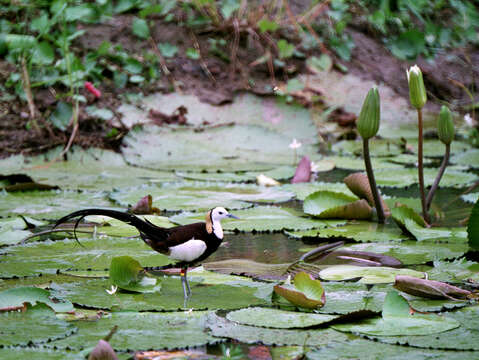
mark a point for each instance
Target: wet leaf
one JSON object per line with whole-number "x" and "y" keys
{"x": 397, "y": 319}
{"x": 468, "y": 158}
{"x": 473, "y": 227}
{"x": 306, "y": 292}
{"x": 471, "y": 197}
{"x": 16, "y": 298}
{"x": 327, "y": 205}
{"x": 455, "y": 271}
{"x": 251, "y": 334}
{"x": 368, "y": 275}
{"x": 303, "y": 190}
{"x": 142, "y": 331}
{"x": 358, "y": 183}
{"x": 128, "y": 274}
{"x": 278, "y": 319}
{"x": 35, "y": 353}
{"x": 37, "y": 325}
{"x": 384, "y": 147}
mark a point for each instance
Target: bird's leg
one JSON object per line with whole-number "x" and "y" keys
{"x": 185, "y": 283}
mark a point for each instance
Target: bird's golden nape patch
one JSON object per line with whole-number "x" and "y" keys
{"x": 209, "y": 224}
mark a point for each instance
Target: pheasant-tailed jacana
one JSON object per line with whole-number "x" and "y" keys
{"x": 189, "y": 244}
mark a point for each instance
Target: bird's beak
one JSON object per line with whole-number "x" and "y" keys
{"x": 232, "y": 216}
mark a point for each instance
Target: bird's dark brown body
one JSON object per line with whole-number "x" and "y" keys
{"x": 188, "y": 244}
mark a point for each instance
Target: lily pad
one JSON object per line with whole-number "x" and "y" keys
{"x": 362, "y": 231}
{"x": 455, "y": 271}
{"x": 202, "y": 197}
{"x": 466, "y": 337}
{"x": 36, "y": 325}
{"x": 222, "y": 327}
{"x": 17, "y": 297}
{"x": 278, "y": 319}
{"x": 225, "y": 148}
{"x": 47, "y": 257}
{"x": 328, "y": 204}
{"x": 35, "y": 353}
{"x": 408, "y": 176}
{"x": 471, "y": 197}
{"x": 142, "y": 331}
{"x": 92, "y": 169}
{"x": 303, "y": 190}
{"x": 378, "y": 148}
{"x": 468, "y": 158}
{"x": 263, "y": 218}
{"x": 48, "y": 204}
{"x": 12, "y": 230}
{"x": 357, "y": 163}
{"x": 306, "y": 292}
{"x": 435, "y": 148}
{"x": 128, "y": 274}
{"x": 91, "y": 293}
{"x": 368, "y": 275}
{"x": 397, "y": 320}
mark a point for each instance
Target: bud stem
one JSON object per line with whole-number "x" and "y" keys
{"x": 372, "y": 182}
{"x": 420, "y": 168}
{"x": 434, "y": 186}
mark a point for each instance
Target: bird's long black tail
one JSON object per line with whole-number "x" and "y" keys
{"x": 144, "y": 227}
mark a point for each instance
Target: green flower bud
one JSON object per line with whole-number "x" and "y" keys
{"x": 445, "y": 126}
{"x": 417, "y": 91}
{"x": 368, "y": 120}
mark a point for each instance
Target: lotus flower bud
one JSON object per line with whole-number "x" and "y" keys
{"x": 417, "y": 91}
{"x": 445, "y": 126}
{"x": 368, "y": 120}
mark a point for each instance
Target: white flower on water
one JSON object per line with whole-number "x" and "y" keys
{"x": 314, "y": 167}
{"x": 295, "y": 144}
{"x": 189, "y": 311}
{"x": 113, "y": 290}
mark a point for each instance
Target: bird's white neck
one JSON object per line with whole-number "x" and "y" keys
{"x": 217, "y": 229}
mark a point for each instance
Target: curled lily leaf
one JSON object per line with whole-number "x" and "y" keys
{"x": 306, "y": 292}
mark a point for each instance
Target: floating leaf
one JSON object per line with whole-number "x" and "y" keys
{"x": 471, "y": 197}
{"x": 469, "y": 158}
{"x": 16, "y": 298}
{"x": 263, "y": 218}
{"x": 279, "y": 319}
{"x": 306, "y": 292}
{"x": 128, "y": 274}
{"x": 34, "y": 353}
{"x": 327, "y": 204}
{"x": 303, "y": 190}
{"x": 385, "y": 147}
{"x": 36, "y": 325}
{"x": 368, "y": 275}
{"x": 455, "y": 271}
{"x": 201, "y": 197}
{"x": 357, "y": 163}
{"x": 222, "y": 327}
{"x": 397, "y": 319}
{"x": 142, "y": 331}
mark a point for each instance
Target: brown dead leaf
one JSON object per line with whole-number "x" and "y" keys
{"x": 430, "y": 289}
{"x": 358, "y": 183}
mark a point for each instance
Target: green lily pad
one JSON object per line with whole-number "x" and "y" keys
{"x": 279, "y": 173}
{"x": 92, "y": 169}
{"x": 278, "y": 319}
{"x": 92, "y": 293}
{"x": 16, "y": 297}
{"x": 222, "y": 327}
{"x": 47, "y": 257}
{"x": 408, "y": 176}
{"x": 35, "y": 353}
{"x": 468, "y": 158}
{"x": 413, "y": 252}
{"x": 48, "y": 204}
{"x": 128, "y": 274}
{"x": 142, "y": 331}
{"x": 407, "y": 159}
{"x": 362, "y": 231}
{"x": 435, "y": 148}
{"x": 306, "y": 292}
{"x": 303, "y": 190}
{"x": 358, "y": 348}
{"x": 12, "y": 231}
{"x": 328, "y": 204}
{"x": 262, "y": 218}
{"x": 357, "y": 163}
{"x": 225, "y": 148}
{"x": 368, "y": 275}
{"x": 37, "y": 325}
{"x": 202, "y": 197}
{"x": 454, "y": 271}
{"x": 378, "y": 147}
{"x": 466, "y": 337}
{"x": 397, "y": 320}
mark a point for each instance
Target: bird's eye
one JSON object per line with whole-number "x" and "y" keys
{"x": 221, "y": 213}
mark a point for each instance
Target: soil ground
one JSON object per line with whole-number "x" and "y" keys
{"x": 215, "y": 81}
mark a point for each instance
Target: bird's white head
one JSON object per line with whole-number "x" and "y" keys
{"x": 219, "y": 213}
